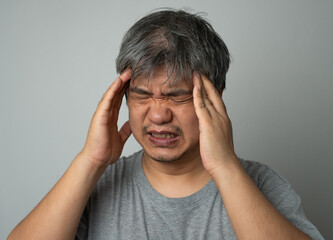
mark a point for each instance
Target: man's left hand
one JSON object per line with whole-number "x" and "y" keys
{"x": 216, "y": 141}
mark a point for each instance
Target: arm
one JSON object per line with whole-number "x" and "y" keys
{"x": 58, "y": 214}
{"x": 251, "y": 214}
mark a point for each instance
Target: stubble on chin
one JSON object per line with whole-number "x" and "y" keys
{"x": 164, "y": 158}
{"x": 161, "y": 158}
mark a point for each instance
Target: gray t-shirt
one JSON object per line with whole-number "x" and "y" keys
{"x": 124, "y": 205}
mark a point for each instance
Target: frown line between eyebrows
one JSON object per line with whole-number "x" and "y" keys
{"x": 171, "y": 93}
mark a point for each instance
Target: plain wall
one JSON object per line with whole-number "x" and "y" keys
{"x": 58, "y": 57}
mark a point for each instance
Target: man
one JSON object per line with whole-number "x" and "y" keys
{"x": 187, "y": 182}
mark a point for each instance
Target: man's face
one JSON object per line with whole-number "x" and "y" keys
{"x": 162, "y": 117}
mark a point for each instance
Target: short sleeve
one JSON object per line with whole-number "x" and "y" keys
{"x": 282, "y": 196}
{"x": 82, "y": 229}
{"x": 288, "y": 203}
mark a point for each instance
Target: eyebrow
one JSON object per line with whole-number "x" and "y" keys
{"x": 172, "y": 93}
{"x": 178, "y": 92}
{"x": 140, "y": 91}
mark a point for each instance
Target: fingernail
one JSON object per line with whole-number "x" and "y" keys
{"x": 198, "y": 86}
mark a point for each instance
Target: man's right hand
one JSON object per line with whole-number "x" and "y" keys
{"x": 104, "y": 142}
{"x": 58, "y": 214}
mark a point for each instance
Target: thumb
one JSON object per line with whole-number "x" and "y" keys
{"x": 125, "y": 132}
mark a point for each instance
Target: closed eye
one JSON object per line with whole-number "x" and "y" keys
{"x": 138, "y": 96}
{"x": 178, "y": 96}
{"x": 181, "y": 99}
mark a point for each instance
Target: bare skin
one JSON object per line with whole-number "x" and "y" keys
{"x": 251, "y": 214}
{"x": 173, "y": 168}
{"x": 58, "y": 214}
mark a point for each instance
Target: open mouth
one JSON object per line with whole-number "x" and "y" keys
{"x": 163, "y": 138}
{"x": 163, "y": 135}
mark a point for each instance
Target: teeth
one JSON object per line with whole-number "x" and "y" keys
{"x": 163, "y": 135}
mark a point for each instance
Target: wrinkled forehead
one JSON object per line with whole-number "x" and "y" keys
{"x": 163, "y": 79}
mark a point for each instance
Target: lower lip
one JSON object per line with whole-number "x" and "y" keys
{"x": 162, "y": 142}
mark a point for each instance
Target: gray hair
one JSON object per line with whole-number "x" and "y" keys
{"x": 181, "y": 41}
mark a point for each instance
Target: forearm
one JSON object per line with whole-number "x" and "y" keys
{"x": 251, "y": 214}
{"x": 58, "y": 214}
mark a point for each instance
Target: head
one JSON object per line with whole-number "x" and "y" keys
{"x": 180, "y": 41}
{"x": 163, "y": 50}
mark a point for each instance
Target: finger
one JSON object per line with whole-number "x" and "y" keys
{"x": 114, "y": 91}
{"x": 205, "y": 97}
{"x": 125, "y": 83}
{"x": 213, "y": 95}
{"x": 122, "y": 93}
{"x": 125, "y": 132}
{"x": 198, "y": 99}
{"x": 117, "y": 91}
{"x": 116, "y": 104}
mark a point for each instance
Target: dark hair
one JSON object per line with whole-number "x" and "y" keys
{"x": 181, "y": 41}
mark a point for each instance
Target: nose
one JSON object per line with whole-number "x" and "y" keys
{"x": 159, "y": 112}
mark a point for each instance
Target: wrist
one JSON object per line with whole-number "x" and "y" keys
{"x": 229, "y": 166}
{"x": 89, "y": 167}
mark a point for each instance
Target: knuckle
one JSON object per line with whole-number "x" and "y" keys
{"x": 209, "y": 102}
{"x": 202, "y": 105}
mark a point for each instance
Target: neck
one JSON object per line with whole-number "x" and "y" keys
{"x": 176, "y": 179}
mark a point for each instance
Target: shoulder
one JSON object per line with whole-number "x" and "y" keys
{"x": 264, "y": 176}
{"x": 275, "y": 188}
{"x": 120, "y": 171}
{"x": 125, "y": 162}
{"x": 281, "y": 194}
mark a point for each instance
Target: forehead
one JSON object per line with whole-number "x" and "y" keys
{"x": 162, "y": 80}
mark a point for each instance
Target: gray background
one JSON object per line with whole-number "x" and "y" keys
{"x": 57, "y": 59}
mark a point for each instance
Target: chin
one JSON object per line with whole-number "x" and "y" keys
{"x": 161, "y": 157}
{"x": 165, "y": 159}
{"x": 165, "y": 156}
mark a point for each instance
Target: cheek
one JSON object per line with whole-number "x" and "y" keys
{"x": 136, "y": 116}
{"x": 131, "y": 117}
{"x": 189, "y": 121}
{"x": 189, "y": 114}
